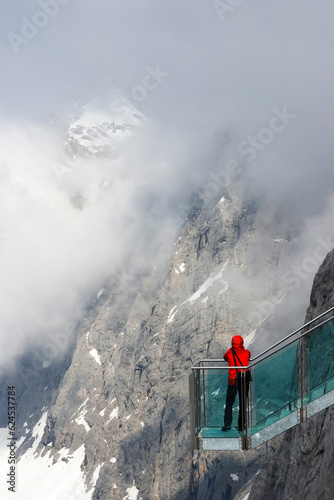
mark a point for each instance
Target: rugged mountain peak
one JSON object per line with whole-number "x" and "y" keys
{"x": 105, "y": 122}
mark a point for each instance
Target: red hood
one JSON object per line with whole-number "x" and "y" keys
{"x": 237, "y": 341}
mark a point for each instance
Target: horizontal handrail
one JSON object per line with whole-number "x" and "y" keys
{"x": 209, "y": 360}
{"x": 239, "y": 367}
{"x": 316, "y": 326}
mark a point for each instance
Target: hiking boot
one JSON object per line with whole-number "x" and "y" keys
{"x": 226, "y": 428}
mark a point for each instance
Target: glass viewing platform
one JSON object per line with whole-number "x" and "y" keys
{"x": 291, "y": 381}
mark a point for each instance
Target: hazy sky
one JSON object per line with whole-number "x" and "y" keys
{"x": 258, "y": 72}
{"x": 221, "y": 63}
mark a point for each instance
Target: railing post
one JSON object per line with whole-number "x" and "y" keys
{"x": 192, "y": 411}
{"x": 202, "y": 398}
{"x": 243, "y": 411}
{"x": 302, "y": 378}
{"x": 248, "y": 413}
{"x": 199, "y": 422}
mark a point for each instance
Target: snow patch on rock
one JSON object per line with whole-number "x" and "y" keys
{"x": 114, "y": 414}
{"x": 45, "y": 477}
{"x": 207, "y": 284}
{"x": 95, "y": 355}
{"x": 171, "y": 315}
{"x": 132, "y": 493}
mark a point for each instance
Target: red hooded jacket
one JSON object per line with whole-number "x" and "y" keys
{"x": 241, "y": 352}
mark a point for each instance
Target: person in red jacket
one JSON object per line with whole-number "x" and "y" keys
{"x": 237, "y": 355}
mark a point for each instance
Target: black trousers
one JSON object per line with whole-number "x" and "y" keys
{"x": 230, "y": 398}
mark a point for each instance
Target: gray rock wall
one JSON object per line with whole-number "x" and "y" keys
{"x": 302, "y": 467}
{"x": 125, "y": 395}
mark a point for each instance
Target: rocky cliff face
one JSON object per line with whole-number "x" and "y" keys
{"x": 122, "y": 396}
{"x": 302, "y": 467}
{"x": 129, "y": 373}
{"x": 322, "y": 295}
{"x": 125, "y": 394}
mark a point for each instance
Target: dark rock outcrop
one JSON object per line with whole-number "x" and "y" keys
{"x": 302, "y": 467}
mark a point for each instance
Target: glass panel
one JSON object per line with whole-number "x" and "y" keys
{"x": 275, "y": 388}
{"x": 196, "y": 401}
{"x": 191, "y": 380}
{"x": 320, "y": 361}
{"x": 214, "y": 391}
{"x": 198, "y": 375}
